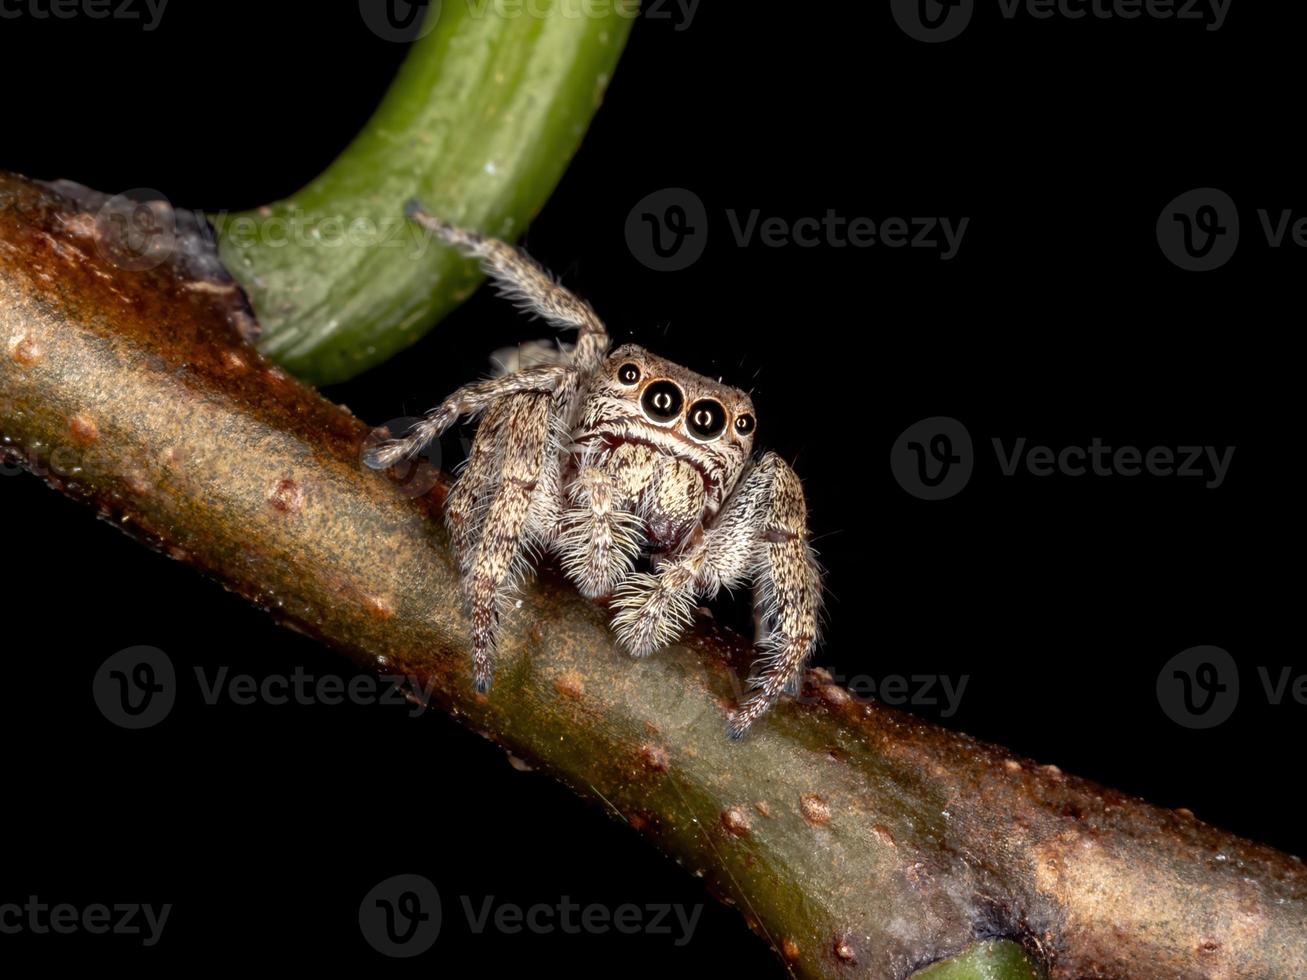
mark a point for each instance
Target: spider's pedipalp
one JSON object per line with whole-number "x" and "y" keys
{"x": 760, "y": 533}
{"x": 599, "y": 540}
{"x": 653, "y": 610}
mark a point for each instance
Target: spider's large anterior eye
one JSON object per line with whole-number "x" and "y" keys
{"x": 744, "y": 424}
{"x": 707, "y": 419}
{"x": 628, "y": 374}
{"x": 662, "y": 401}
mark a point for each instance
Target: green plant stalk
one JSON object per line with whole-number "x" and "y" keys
{"x": 993, "y": 959}
{"x": 479, "y": 124}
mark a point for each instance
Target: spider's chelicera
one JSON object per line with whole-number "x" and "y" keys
{"x": 603, "y": 457}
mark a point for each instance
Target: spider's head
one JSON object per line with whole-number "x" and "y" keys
{"x": 684, "y": 414}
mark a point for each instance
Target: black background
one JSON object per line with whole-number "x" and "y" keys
{"x": 1059, "y": 320}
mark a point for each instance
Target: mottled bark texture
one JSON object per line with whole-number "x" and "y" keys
{"x": 857, "y": 840}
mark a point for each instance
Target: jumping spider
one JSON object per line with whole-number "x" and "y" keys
{"x": 599, "y": 456}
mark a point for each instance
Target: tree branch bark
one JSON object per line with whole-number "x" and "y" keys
{"x": 857, "y": 840}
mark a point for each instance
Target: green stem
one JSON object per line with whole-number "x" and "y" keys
{"x": 993, "y": 959}
{"x": 480, "y": 123}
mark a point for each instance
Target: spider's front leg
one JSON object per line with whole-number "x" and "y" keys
{"x": 509, "y": 495}
{"x": 471, "y": 399}
{"x": 521, "y": 278}
{"x": 524, "y": 280}
{"x": 761, "y": 533}
{"x": 506, "y": 497}
{"x": 514, "y": 509}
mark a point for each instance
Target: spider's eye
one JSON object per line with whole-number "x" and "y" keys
{"x": 707, "y": 419}
{"x": 744, "y": 424}
{"x": 662, "y": 401}
{"x": 628, "y": 374}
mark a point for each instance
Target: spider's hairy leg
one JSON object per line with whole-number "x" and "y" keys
{"x": 465, "y": 510}
{"x": 599, "y": 541}
{"x": 468, "y": 400}
{"x": 760, "y": 533}
{"x": 523, "y": 279}
{"x": 787, "y": 583}
{"x": 499, "y": 558}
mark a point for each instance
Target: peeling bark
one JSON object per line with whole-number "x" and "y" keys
{"x": 856, "y": 839}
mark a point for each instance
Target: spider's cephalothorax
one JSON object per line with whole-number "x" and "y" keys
{"x": 602, "y": 457}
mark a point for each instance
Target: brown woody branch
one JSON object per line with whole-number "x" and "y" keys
{"x": 858, "y": 840}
